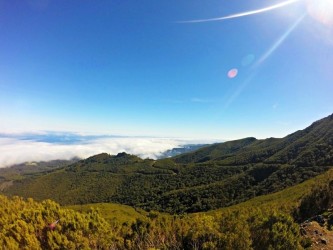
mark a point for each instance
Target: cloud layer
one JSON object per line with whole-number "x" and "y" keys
{"x": 15, "y": 149}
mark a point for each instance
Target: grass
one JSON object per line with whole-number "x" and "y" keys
{"x": 112, "y": 211}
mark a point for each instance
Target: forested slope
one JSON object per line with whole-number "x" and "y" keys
{"x": 308, "y": 147}
{"x": 266, "y": 222}
{"x": 212, "y": 177}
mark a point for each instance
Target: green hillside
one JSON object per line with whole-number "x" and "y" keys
{"x": 308, "y": 147}
{"x": 213, "y": 177}
{"x": 28, "y": 169}
{"x": 291, "y": 199}
{"x": 26, "y": 224}
{"x": 264, "y": 222}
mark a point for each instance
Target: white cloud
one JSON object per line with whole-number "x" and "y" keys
{"x": 16, "y": 150}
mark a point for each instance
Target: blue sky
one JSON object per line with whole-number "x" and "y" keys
{"x": 134, "y": 68}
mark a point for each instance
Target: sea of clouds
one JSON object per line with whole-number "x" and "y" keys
{"x": 20, "y": 148}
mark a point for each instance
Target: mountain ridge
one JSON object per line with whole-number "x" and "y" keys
{"x": 271, "y": 150}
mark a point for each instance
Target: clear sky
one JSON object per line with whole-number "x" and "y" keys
{"x": 151, "y": 68}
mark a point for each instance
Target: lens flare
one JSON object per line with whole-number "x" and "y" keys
{"x": 232, "y": 73}
{"x": 246, "y": 13}
{"x": 278, "y": 43}
{"x": 321, "y": 11}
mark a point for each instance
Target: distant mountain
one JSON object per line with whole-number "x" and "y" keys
{"x": 211, "y": 177}
{"x": 24, "y": 170}
{"x": 181, "y": 150}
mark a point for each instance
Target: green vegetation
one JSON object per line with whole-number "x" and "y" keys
{"x": 213, "y": 177}
{"x": 292, "y": 200}
{"x": 160, "y": 185}
{"x": 261, "y": 223}
{"x": 265, "y": 222}
{"x": 31, "y": 225}
{"x": 113, "y": 213}
{"x": 28, "y": 169}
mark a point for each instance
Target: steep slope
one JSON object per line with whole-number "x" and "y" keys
{"x": 308, "y": 147}
{"x": 216, "y": 176}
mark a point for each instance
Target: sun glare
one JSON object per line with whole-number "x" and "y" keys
{"x": 321, "y": 10}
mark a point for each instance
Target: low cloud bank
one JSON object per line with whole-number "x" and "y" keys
{"x": 18, "y": 149}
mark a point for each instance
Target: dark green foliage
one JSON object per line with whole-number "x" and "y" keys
{"x": 319, "y": 200}
{"x": 275, "y": 232}
{"x": 161, "y": 185}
